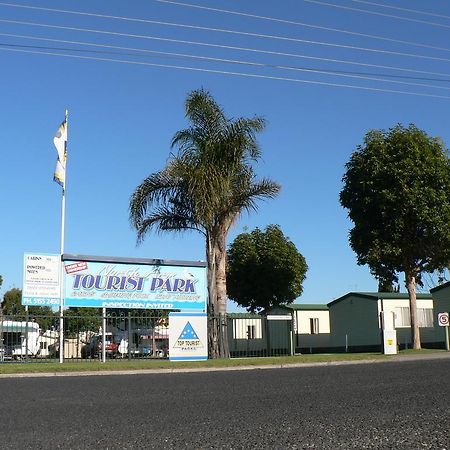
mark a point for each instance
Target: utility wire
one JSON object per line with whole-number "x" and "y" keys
{"x": 303, "y": 24}
{"x": 252, "y": 50}
{"x": 224, "y": 72}
{"x": 374, "y": 13}
{"x": 415, "y": 11}
{"x": 341, "y": 73}
{"x": 266, "y": 36}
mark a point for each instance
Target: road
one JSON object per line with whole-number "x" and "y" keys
{"x": 394, "y": 405}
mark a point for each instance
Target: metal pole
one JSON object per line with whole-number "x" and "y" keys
{"x": 2, "y": 348}
{"x": 447, "y": 347}
{"x": 104, "y": 335}
{"x": 61, "y": 280}
{"x": 129, "y": 335}
{"x": 26, "y": 332}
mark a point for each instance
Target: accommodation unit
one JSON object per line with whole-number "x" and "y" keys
{"x": 309, "y": 326}
{"x": 284, "y": 330}
{"x": 356, "y": 324}
{"x": 441, "y": 298}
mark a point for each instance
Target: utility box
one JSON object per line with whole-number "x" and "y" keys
{"x": 388, "y": 333}
{"x": 389, "y": 342}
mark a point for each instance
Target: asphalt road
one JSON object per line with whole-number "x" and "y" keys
{"x": 395, "y": 405}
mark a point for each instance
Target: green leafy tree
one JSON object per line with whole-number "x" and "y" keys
{"x": 12, "y": 306}
{"x": 205, "y": 187}
{"x": 12, "y": 302}
{"x": 81, "y": 319}
{"x": 265, "y": 269}
{"x": 397, "y": 192}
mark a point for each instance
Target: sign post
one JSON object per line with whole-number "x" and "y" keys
{"x": 443, "y": 321}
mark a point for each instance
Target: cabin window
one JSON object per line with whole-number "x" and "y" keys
{"x": 403, "y": 319}
{"x": 314, "y": 325}
{"x": 251, "y": 332}
{"x": 43, "y": 345}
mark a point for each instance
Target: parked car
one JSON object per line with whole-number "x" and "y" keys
{"x": 93, "y": 349}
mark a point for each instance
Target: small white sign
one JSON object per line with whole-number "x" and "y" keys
{"x": 188, "y": 336}
{"x": 279, "y": 317}
{"x": 41, "y": 274}
{"x": 443, "y": 319}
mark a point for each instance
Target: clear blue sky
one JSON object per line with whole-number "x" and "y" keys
{"x": 123, "y": 116}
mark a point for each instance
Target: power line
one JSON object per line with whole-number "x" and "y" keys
{"x": 266, "y": 36}
{"x": 251, "y": 50}
{"x": 342, "y": 73}
{"x": 241, "y": 74}
{"x": 415, "y": 11}
{"x": 303, "y": 24}
{"x": 374, "y": 13}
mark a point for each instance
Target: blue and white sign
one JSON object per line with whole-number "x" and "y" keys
{"x": 188, "y": 337}
{"x": 128, "y": 285}
{"x": 41, "y": 273}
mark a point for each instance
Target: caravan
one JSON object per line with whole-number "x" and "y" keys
{"x": 19, "y": 339}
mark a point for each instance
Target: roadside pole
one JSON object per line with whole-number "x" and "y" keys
{"x": 104, "y": 335}
{"x": 443, "y": 321}
{"x": 447, "y": 347}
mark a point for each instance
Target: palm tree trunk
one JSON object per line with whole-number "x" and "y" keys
{"x": 217, "y": 301}
{"x": 221, "y": 293}
{"x": 410, "y": 281}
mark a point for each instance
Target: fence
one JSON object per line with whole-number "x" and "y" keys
{"x": 254, "y": 335}
{"x": 128, "y": 335}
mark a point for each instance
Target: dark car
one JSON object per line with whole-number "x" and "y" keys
{"x": 93, "y": 349}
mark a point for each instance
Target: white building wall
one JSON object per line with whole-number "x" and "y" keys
{"x": 241, "y": 328}
{"x": 304, "y": 317}
{"x": 391, "y": 306}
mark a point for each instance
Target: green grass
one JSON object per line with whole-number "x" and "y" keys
{"x": 155, "y": 364}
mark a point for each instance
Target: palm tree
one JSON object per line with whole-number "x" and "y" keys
{"x": 205, "y": 187}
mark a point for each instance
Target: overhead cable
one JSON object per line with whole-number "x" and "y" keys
{"x": 374, "y": 13}
{"x": 266, "y": 36}
{"x": 341, "y": 73}
{"x": 246, "y": 49}
{"x": 303, "y": 24}
{"x": 224, "y": 72}
{"x": 398, "y": 8}
{"x": 274, "y": 19}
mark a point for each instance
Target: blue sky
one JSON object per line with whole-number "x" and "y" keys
{"x": 122, "y": 116}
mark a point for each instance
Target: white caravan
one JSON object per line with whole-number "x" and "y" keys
{"x": 18, "y": 339}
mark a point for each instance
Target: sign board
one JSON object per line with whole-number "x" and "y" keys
{"x": 443, "y": 319}
{"x": 130, "y": 284}
{"x": 41, "y": 273}
{"x": 188, "y": 337}
{"x": 279, "y": 317}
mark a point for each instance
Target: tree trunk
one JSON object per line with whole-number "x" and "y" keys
{"x": 221, "y": 293}
{"x": 213, "y": 329}
{"x": 217, "y": 301}
{"x": 410, "y": 281}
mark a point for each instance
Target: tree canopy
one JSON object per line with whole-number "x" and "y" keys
{"x": 397, "y": 192}
{"x": 265, "y": 269}
{"x": 12, "y": 306}
{"x": 205, "y": 187}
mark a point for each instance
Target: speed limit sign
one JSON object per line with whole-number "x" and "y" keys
{"x": 443, "y": 319}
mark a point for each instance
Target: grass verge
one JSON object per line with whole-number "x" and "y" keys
{"x": 157, "y": 364}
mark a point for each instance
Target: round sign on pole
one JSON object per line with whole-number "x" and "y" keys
{"x": 443, "y": 319}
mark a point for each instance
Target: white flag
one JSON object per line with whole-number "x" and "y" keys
{"x": 60, "y": 141}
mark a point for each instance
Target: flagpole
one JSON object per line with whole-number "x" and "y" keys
{"x": 61, "y": 294}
